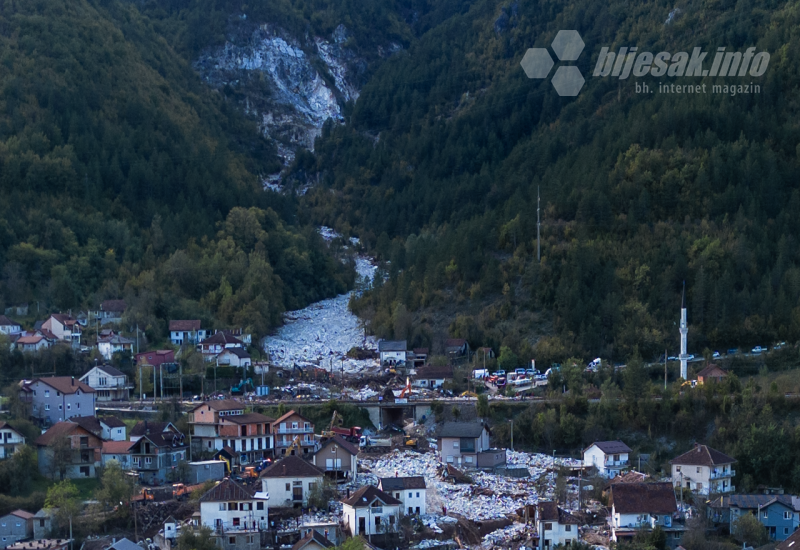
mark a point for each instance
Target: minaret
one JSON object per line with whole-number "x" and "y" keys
{"x": 684, "y": 333}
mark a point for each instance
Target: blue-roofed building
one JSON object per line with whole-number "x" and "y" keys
{"x": 780, "y": 514}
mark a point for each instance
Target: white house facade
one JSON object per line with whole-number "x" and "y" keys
{"x": 609, "y": 457}
{"x": 370, "y": 511}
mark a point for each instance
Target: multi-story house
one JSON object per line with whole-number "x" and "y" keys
{"x": 107, "y": 428}
{"x": 9, "y": 327}
{"x": 114, "y": 343}
{"x": 466, "y": 444}
{"x": 780, "y": 514}
{"x": 609, "y": 457}
{"x": 704, "y": 470}
{"x": 186, "y": 332}
{"x": 109, "y": 383}
{"x": 155, "y": 455}
{"x": 290, "y": 427}
{"x": 65, "y": 328}
{"x": 555, "y": 526}
{"x": 235, "y": 514}
{"x": 10, "y": 440}
{"x": 290, "y": 480}
{"x": 637, "y": 506}
{"x": 31, "y": 343}
{"x": 15, "y": 526}
{"x": 78, "y": 457}
{"x": 214, "y": 345}
{"x": 370, "y": 511}
{"x": 339, "y": 458}
{"x": 223, "y": 423}
{"x": 117, "y": 450}
{"x": 57, "y": 398}
{"x": 392, "y": 352}
{"x": 111, "y": 311}
{"x": 410, "y": 491}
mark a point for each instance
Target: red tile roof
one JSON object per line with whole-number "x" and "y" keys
{"x": 366, "y": 495}
{"x": 643, "y": 498}
{"x": 702, "y": 455}
{"x": 292, "y": 466}
{"x": 59, "y": 430}
{"x": 65, "y": 384}
{"x": 227, "y": 490}
{"x": 184, "y": 325}
{"x": 116, "y": 447}
{"x": 22, "y": 514}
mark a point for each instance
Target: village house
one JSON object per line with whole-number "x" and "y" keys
{"x": 410, "y": 491}
{"x": 109, "y": 383}
{"x": 147, "y": 427}
{"x": 186, "y": 332}
{"x": 456, "y": 348}
{"x": 418, "y": 357}
{"x": 156, "y": 455}
{"x": 637, "y": 506}
{"x": 79, "y": 457}
{"x": 313, "y": 541}
{"x": 42, "y": 523}
{"x": 57, "y": 398}
{"x": 711, "y": 372}
{"x": 392, "y": 352}
{"x": 433, "y": 377}
{"x": 235, "y": 514}
{"x": 214, "y": 345}
{"x": 31, "y": 343}
{"x": 290, "y": 480}
{"x": 791, "y": 543}
{"x": 609, "y": 457}
{"x": 111, "y": 311}
{"x": 16, "y": 526}
{"x": 41, "y": 544}
{"x": 338, "y": 458}
{"x": 9, "y": 327}
{"x": 780, "y": 514}
{"x": 330, "y": 530}
{"x": 370, "y": 511}
{"x": 234, "y": 357}
{"x": 115, "y": 343}
{"x": 238, "y": 333}
{"x": 704, "y": 469}
{"x": 155, "y": 358}
{"x": 109, "y": 428}
{"x": 10, "y": 440}
{"x": 65, "y": 328}
{"x": 555, "y": 526}
{"x": 289, "y": 427}
{"x": 466, "y": 444}
{"x": 117, "y": 450}
{"x": 223, "y": 423}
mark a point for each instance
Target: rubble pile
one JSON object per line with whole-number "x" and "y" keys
{"x": 323, "y": 333}
{"x": 505, "y": 537}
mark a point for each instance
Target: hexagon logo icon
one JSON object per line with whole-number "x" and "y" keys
{"x": 567, "y": 80}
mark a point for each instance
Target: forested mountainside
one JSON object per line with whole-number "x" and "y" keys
{"x": 123, "y": 176}
{"x": 450, "y": 142}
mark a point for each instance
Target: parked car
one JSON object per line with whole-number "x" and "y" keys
{"x": 716, "y": 355}
{"x": 501, "y": 381}
{"x": 530, "y": 373}
{"x": 501, "y": 373}
{"x": 690, "y": 357}
{"x": 733, "y": 351}
{"x": 757, "y": 349}
{"x": 672, "y": 358}
{"x": 522, "y": 381}
{"x": 779, "y": 345}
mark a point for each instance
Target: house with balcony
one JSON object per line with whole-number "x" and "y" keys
{"x": 9, "y": 327}
{"x": 290, "y": 426}
{"x": 290, "y": 480}
{"x": 147, "y": 427}
{"x": 68, "y": 450}
{"x": 109, "y": 383}
{"x": 643, "y": 506}
{"x": 609, "y": 457}
{"x": 154, "y": 456}
{"x": 780, "y": 514}
{"x": 466, "y": 444}
{"x": 704, "y": 470}
{"x": 370, "y": 511}
{"x": 10, "y": 440}
{"x": 16, "y": 526}
{"x": 235, "y": 514}
{"x": 186, "y": 332}
{"x": 57, "y": 398}
{"x": 218, "y": 424}
{"x": 65, "y": 328}
{"x": 555, "y": 526}
{"x": 411, "y": 491}
{"x": 392, "y": 352}
{"x": 338, "y": 458}
{"x": 214, "y": 345}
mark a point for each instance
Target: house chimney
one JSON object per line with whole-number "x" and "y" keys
{"x": 73, "y": 380}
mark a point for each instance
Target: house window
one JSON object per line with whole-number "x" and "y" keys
{"x": 233, "y": 506}
{"x": 417, "y": 495}
{"x": 455, "y": 444}
{"x": 259, "y": 505}
{"x": 222, "y": 506}
{"x": 148, "y": 460}
{"x": 785, "y": 530}
{"x": 295, "y": 425}
{"x": 60, "y": 407}
{"x": 77, "y": 405}
{"x": 46, "y": 394}
{"x": 764, "y": 514}
{"x": 568, "y": 528}
{"x": 69, "y": 406}
{"x": 232, "y": 540}
{"x": 548, "y": 526}
{"x": 787, "y": 515}
{"x": 236, "y": 522}
{"x": 698, "y": 469}
{"x": 677, "y": 468}
{"x": 47, "y": 407}
{"x": 391, "y": 520}
{"x": 288, "y": 487}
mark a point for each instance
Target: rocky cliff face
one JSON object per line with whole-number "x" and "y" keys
{"x": 291, "y": 85}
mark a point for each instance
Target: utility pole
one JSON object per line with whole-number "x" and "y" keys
{"x": 512, "y": 434}
{"x": 665, "y": 368}
{"x": 180, "y": 376}
{"x": 161, "y": 380}
{"x": 155, "y": 386}
{"x": 538, "y": 226}
{"x": 140, "y": 383}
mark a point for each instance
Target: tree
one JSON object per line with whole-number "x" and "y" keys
{"x": 197, "y": 539}
{"x": 483, "y": 406}
{"x": 355, "y": 543}
{"x": 62, "y": 501}
{"x": 179, "y": 473}
{"x": 16, "y": 406}
{"x": 748, "y": 529}
{"x": 508, "y": 360}
{"x": 456, "y": 412}
{"x": 15, "y": 473}
{"x": 115, "y": 486}
{"x": 62, "y": 456}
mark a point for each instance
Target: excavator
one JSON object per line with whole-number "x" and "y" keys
{"x": 407, "y": 390}
{"x": 295, "y": 447}
{"x": 334, "y": 429}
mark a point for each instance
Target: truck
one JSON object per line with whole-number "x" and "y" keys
{"x": 371, "y": 445}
